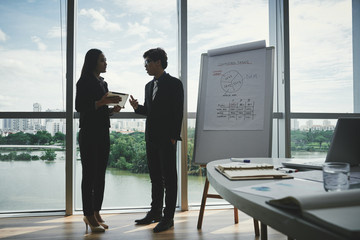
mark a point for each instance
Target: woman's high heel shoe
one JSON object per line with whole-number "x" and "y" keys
{"x": 100, "y": 220}
{"x": 93, "y": 228}
{"x": 104, "y": 225}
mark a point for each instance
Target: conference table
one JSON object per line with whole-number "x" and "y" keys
{"x": 291, "y": 224}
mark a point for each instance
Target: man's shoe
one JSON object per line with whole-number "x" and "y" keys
{"x": 164, "y": 225}
{"x": 149, "y": 218}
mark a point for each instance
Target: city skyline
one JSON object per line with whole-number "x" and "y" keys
{"x": 58, "y": 125}
{"x": 129, "y": 125}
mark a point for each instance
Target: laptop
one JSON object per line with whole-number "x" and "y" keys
{"x": 344, "y": 147}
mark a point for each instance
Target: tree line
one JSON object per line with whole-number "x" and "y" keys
{"x": 48, "y": 155}
{"x": 128, "y": 152}
{"x": 39, "y": 138}
{"x": 311, "y": 141}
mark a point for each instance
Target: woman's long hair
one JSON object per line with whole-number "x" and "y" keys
{"x": 90, "y": 62}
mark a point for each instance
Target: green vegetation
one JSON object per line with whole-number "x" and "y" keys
{"x": 128, "y": 152}
{"x": 193, "y": 169}
{"x": 40, "y": 138}
{"x": 48, "y": 155}
{"x": 311, "y": 141}
{"x": 13, "y": 156}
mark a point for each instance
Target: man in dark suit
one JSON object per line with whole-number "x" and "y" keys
{"x": 163, "y": 108}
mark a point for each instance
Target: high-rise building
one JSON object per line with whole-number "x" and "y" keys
{"x": 295, "y": 124}
{"x": 55, "y": 125}
{"x": 36, "y": 123}
{"x": 7, "y": 124}
{"x": 309, "y": 123}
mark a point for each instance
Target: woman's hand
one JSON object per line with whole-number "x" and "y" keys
{"x": 116, "y": 108}
{"x": 106, "y": 100}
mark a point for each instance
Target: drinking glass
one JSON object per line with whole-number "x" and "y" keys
{"x": 336, "y": 176}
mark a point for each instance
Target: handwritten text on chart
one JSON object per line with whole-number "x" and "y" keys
{"x": 243, "y": 109}
{"x": 234, "y": 63}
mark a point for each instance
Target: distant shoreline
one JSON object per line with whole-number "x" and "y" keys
{"x": 34, "y": 146}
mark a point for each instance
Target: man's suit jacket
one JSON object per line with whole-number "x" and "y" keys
{"x": 165, "y": 112}
{"x": 88, "y": 90}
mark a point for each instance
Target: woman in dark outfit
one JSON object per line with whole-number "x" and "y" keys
{"x": 91, "y": 101}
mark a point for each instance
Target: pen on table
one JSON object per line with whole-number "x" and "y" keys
{"x": 240, "y": 160}
{"x": 287, "y": 170}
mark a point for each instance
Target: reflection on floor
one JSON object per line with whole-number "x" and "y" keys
{"x": 217, "y": 225}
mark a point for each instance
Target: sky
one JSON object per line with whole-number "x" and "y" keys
{"x": 33, "y": 43}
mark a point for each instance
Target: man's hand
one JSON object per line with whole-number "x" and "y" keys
{"x": 133, "y": 102}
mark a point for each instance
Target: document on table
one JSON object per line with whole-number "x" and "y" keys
{"x": 339, "y": 211}
{"x": 283, "y": 188}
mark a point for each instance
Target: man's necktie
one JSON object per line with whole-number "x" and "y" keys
{"x": 155, "y": 89}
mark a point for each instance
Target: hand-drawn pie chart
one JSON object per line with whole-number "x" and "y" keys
{"x": 231, "y": 81}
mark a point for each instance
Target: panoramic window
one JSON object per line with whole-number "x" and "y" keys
{"x": 123, "y": 31}
{"x": 215, "y": 24}
{"x": 321, "y": 72}
{"x": 311, "y": 138}
{"x": 32, "y": 156}
{"x": 32, "y": 165}
{"x": 32, "y": 40}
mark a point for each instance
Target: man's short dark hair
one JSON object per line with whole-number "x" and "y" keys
{"x": 157, "y": 54}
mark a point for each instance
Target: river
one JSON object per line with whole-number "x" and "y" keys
{"x": 40, "y": 186}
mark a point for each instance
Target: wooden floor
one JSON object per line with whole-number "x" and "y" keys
{"x": 217, "y": 225}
